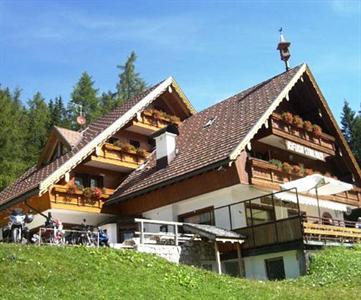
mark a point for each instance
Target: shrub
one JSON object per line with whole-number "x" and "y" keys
{"x": 287, "y": 117}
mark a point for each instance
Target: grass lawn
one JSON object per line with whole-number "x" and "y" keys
{"x": 31, "y": 272}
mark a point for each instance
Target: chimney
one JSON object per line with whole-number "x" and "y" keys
{"x": 165, "y": 145}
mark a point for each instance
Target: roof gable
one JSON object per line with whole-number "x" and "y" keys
{"x": 235, "y": 121}
{"x": 201, "y": 146}
{"x": 93, "y": 136}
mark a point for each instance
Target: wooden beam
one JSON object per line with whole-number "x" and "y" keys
{"x": 239, "y": 258}
{"x": 218, "y": 258}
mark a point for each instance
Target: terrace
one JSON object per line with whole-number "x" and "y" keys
{"x": 151, "y": 120}
{"x": 122, "y": 157}
{"x": 82, "y": 199}
{"x": 294, "y": 130}
{"x": 268, "y": 175}
{"x": 269, "y": 220}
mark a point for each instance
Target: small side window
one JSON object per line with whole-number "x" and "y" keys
{"x": 275, "y": 268}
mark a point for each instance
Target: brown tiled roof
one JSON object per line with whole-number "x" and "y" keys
{"x": 199, "y": 146}
{"x": 70, "y": 136}
{"x": 31, "y": 179}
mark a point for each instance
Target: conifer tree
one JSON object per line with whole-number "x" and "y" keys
{"x": 107, "y": 102}
{"x": 58, "y": 113}
{"x": 12, "y": 137}
{"x": 38, "y": 127}
{"x": 84, "y": 94}
{"x": 347, "y": 122}
{"x": 130, "y": 84}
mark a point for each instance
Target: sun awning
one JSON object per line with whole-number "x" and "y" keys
{"x": 325, "y": 185}
{"x": 291, "y": 197}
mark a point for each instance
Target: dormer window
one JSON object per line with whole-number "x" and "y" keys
{"x": 209, "y": 122}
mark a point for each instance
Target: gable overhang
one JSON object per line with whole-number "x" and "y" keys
{"x": 84, "y": 152}
{"x": 20, "y": 198}
{"x": 304, "y": 70}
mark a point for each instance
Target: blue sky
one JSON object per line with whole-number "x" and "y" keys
{"x": 213, "y": 48}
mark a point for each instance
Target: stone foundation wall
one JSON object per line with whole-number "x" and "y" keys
{"x": 190, "y": 253}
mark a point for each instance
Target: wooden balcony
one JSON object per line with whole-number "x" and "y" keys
{"x": 269, "y": 176}
{"x": 148, "y": 122}
{"x": 115, "y": 158}
{"x": 61, "y": 197}
{"x": 310, "y": 230}
{"x": 280, "y": 130}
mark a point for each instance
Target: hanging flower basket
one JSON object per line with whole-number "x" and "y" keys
{"x": 317, "y": 130}
{"x": 297, "y": 121}
{"x": 141, "y": 153}
{"x": 296, "y": 169}
{"x": 87, "y": 193}
{"x": 287, "y": 117}
{"x": 308, "y": 172}
{"x": 286, "y": 167}
{"x": 307, "y": 125}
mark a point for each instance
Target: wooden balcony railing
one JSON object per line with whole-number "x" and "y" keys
{"x": 62, "y": 197}
{"x": 269, "y": 176}
{"x": 150, "y": 121}
{"x": 321, "y": 229}
{"x": 324, "y": 143}
{"x": 308, "y": 229}
{"x": 117, "y": 158}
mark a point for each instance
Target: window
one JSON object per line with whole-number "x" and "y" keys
{"x": 275, "y": 268}
{"x": 87, "y": 180}
{"x": 136, "y": 144}
{"x": 201, "y": 216}
{"x": 259, "y": 214}
{"x": 231, "y": 268}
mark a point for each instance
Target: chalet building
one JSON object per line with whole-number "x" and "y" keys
{"x": 268, "y": 164}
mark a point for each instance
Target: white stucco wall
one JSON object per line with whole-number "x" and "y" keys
{"x": 216, "y": 199}
{"x": 224, "y": 197}
{"x": 255, "y": 266}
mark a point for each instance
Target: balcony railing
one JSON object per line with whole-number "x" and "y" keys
{"x": 324, "y": 142}
{"x": 330, "y": 230}
{"x": 117, "y": 158}
{"x": 61, "y": 195}
{"x": 268, "y": 175}
{"x": 311, "y": 230}
{"x": 150, "y": 121}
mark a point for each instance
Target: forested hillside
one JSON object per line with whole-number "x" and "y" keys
{"x": 25, "y": 123}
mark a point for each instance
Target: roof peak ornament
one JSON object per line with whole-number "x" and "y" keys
{"x": 283, "y": 46}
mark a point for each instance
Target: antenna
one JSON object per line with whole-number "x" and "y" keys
{"x": 283, "y": 46}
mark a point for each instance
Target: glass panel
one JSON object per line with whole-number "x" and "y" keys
{"x": 79, "y": 180}
{"x": 238, "y": 216}
{"x": 222, "y": 217}
{"x": 205, "y": 217}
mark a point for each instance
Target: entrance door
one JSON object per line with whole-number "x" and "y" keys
{"x": 275, "y": 268}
